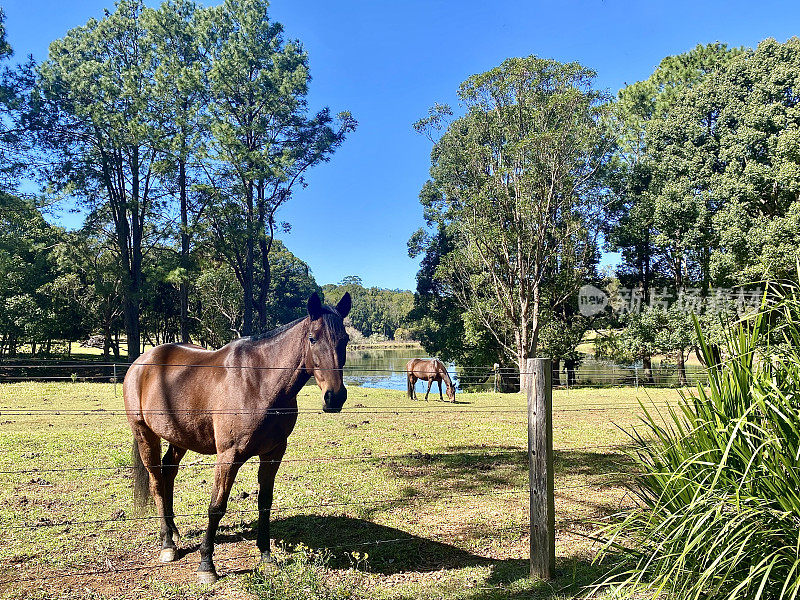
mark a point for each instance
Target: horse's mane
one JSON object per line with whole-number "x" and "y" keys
{"x": 326, "y": 310}
{"x": 268, "y": 335}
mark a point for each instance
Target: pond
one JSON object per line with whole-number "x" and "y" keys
{"x": 386, "y": 368}
{"x": 381, "y": 368}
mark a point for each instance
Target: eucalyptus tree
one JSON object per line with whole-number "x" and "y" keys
{"x": 516, "y": 182}
{"x": 442, "y": 326}
{"x": 106, "y": 134}
{"x": 219, "y": 303}
{"x": 263, "y": 140}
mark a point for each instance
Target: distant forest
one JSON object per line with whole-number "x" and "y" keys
{"x": 58, "y": 285}
{"x": 377, "y": 314}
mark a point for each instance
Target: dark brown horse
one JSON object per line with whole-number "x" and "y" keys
{"x": 236, "y": 402}
{"x": 430, "y": 370}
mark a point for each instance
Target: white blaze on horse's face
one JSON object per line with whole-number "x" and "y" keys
{"x": 327, "y": 350}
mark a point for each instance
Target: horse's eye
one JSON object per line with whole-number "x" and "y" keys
{"x": 312, "y": 339}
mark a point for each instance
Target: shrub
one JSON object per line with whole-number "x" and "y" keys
{"x": 719, "y": 490}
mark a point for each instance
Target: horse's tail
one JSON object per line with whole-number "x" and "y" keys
{"x": 141, "y": 479}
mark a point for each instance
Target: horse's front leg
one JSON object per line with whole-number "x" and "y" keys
{"x": 169, "y": 532}
{"x": 441, "y": 398}
{"x": 266, "y": 484}
{"x": 225, "y": 471}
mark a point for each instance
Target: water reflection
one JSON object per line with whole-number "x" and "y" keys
{"x": 386, "y": 369}
{"x": 382, "y": 368}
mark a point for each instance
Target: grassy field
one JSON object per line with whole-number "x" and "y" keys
{"x": 441, "y": 487}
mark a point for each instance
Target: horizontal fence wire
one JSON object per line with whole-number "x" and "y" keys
{"x": 472, "y": 376}
{"x": 475, "y": 371}
{"x": 356, "y": 458}
{"x": 29, "y": 412}
{"x": 105, "y": 413}
{"x": 400, "y": 500}
{"x": 465, "y": 379}
{"x": 416, "y": 455}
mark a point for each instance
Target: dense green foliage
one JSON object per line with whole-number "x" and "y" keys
{"x": 705, "y": 184}
{"x": 718, "y": 489}
{"x": 377, "y": 313}
{"x": 58, "y": 286}
{"x": 179, "y": 114}
{"x": 39, "y": 300}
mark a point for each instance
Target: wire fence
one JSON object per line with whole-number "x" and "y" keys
{"x": 466, "y": 378}
{"x": 17, "y": 411}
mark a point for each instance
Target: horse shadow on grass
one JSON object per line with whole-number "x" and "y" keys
{"x": 461, "y": 470}
{"x": 393, "y": 551}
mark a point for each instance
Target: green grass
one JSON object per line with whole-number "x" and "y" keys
{"x": 456, "y": 497}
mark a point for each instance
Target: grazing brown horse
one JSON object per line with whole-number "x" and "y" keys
{"x": 236, "y": 402}
{"x": 430, "y": 370}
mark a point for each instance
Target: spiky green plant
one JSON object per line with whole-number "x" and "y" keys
{"x": 719, "y": 489}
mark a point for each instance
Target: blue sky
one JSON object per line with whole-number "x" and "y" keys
{"x": 388, "y": 62}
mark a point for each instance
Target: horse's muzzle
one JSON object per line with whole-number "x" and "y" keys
{"x": 333, "y": 402}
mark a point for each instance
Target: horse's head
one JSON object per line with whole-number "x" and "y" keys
{"x": 326, "y": 349}
{"x": 451, "y": 392}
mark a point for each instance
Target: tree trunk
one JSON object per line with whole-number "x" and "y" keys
{"x": 248, "y": 275}
{"x": 106, "y": 340}
{"x": 131, "y": 317}
{"x": 647, "y": 369}
{"x": 681, "y": 368}
{"x": 569, "y": 366}
{"x": 128, "y": 228}
{"x": 556, "y": 372}
{"x": 184, "y": 287}
{"x": 265, "y": 247}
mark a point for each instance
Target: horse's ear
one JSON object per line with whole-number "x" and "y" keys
{"x": 314, "y": 307}
{"x": 345, "y": 304}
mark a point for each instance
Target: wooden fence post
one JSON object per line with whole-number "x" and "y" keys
{"x": 540, "y": 458}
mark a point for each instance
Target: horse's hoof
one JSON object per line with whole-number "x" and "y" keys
{"x": 168, "y": 555}
{"x": 207, "y": 577}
